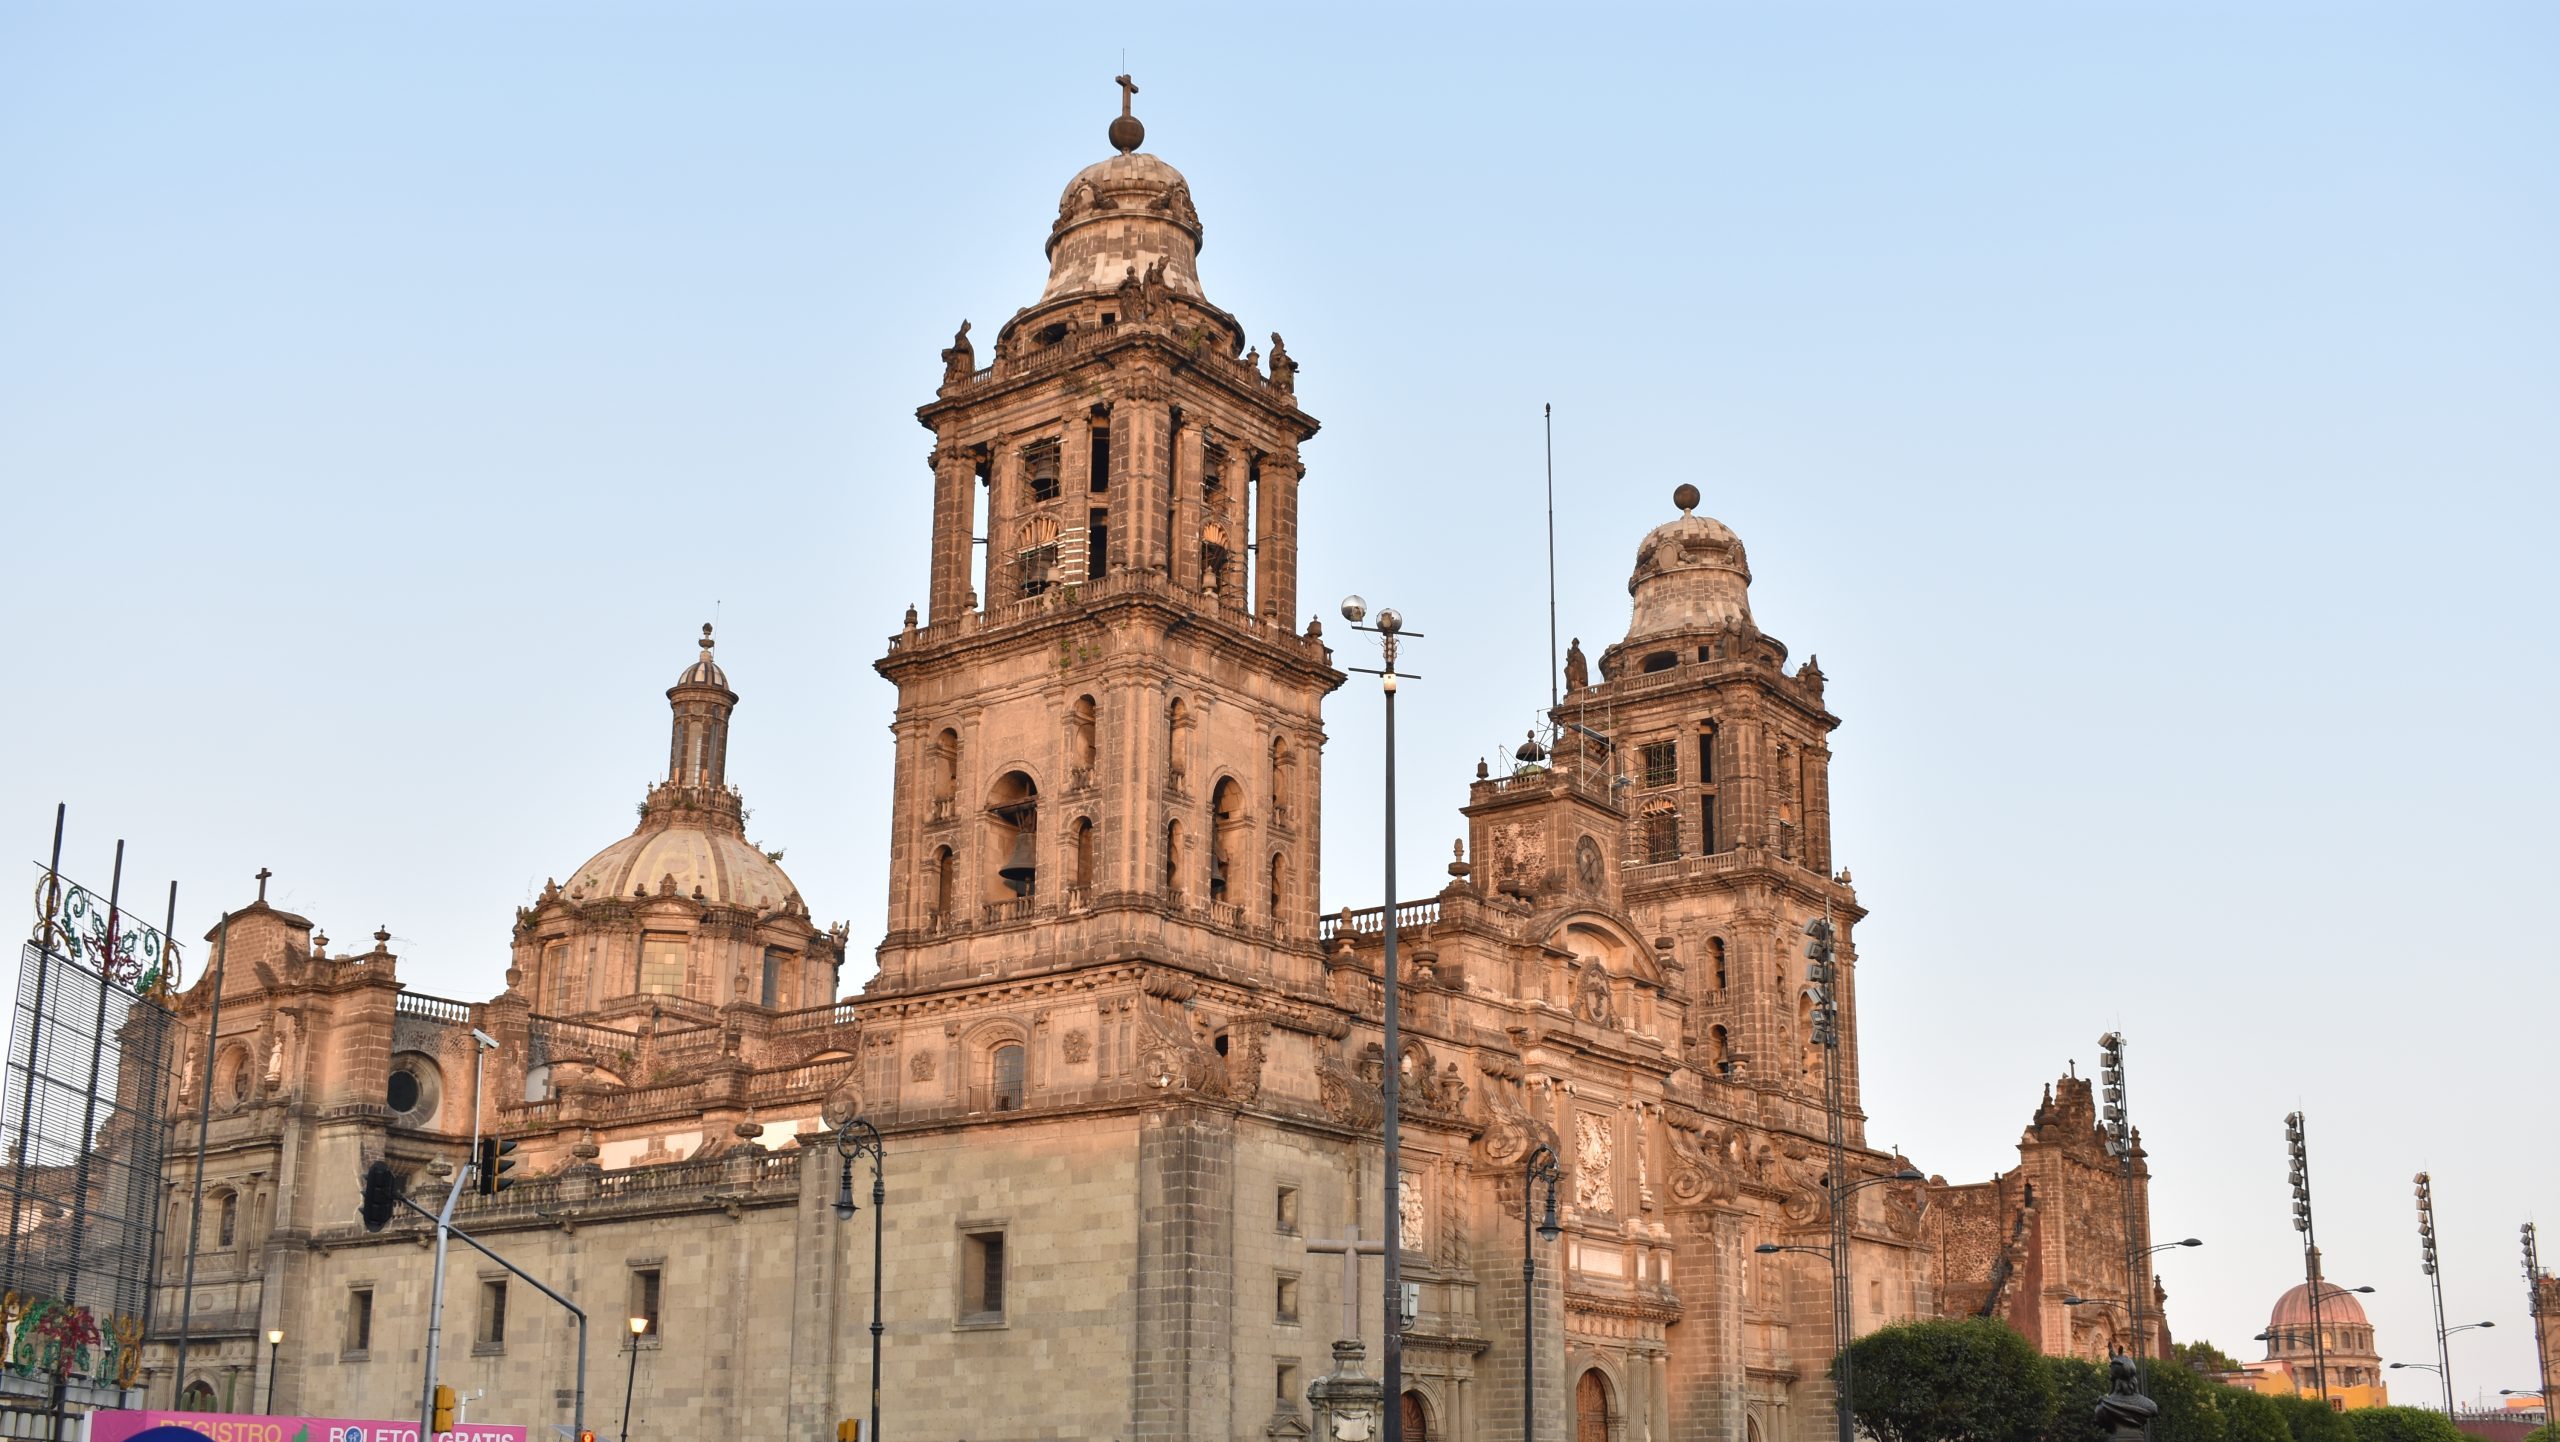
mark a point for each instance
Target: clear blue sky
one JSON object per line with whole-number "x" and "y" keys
{"x": 2146, "y": 412}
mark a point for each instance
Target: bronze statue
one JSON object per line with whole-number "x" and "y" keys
{"x": 1577, "y": 671}
{"x": 2124, "y": 1411}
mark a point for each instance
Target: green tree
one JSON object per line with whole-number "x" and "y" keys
{"x": 2077, "y": 1386}
{"x": 2187, "y": 1405}
{"x": 2402, "y": 1424}
{"x": 2547, "y": 1432}
{"x": 2250, "y": 1417}
{"x": 1972, "y": 1379}
{"x": 2203, "y": 1357}
{"x": 2311, "y": 1420}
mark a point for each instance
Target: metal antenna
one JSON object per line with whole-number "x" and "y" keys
{"x": 1552, "y": 697}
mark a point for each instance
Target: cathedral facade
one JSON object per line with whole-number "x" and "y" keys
{"x": 1127, "y": 1066}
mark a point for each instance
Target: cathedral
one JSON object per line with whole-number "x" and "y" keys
{"x": 1126, "y": 1063}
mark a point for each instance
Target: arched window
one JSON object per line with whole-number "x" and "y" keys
{"x": 1083, "y": 734}
{"x": 1720, "y": 1050}
{"x": 197, "y": 1398}
{"x": 946, "y": 765}
{"x": 1226, "y": 811}
{"x": 1084, "y": 851}
{"x": 1013, "y": 820}
{"x": 1004, "y": 1078}
{"x": 227, "y": 1213}
{"x": 1660, "y": 827}
{"x": 1715, "y": 959}
{"x": 1279, "y": 883}
{"x": 945, "y": 877}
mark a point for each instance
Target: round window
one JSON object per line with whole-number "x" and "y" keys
{"x": 402, "y": 1093}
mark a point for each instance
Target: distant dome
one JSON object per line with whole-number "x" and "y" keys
{"x": 728, "y": 868}
{"x": 704, "y": 671}
{"x": 1120, "y": 216}
{"x": 1691, "y": 577}
{"x": 2338, "y": 1308}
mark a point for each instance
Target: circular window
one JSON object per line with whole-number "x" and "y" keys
{"x": 402, "y": 1094}
{"x": 413, "y": 1090}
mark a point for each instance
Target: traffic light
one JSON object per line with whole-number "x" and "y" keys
{"x": 496, "y": 1159}
{"x": 443, "y": 1410}
{"x": 586, "y": 1434}
{"x": 381, "y": 1196}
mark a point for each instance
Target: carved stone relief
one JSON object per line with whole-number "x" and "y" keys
{"x": 1594, "y": 1151}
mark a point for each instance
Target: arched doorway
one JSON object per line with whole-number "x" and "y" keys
{"x": 1591, "y": 1408}
{"x": 1417, "y": 1418}
{"x": 197, "y": 1398}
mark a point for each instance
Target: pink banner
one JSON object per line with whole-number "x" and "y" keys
{"x": 237, "y": 1427}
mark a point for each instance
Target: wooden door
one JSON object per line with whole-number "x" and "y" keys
{"x": 1417, "y": 1422}
{"x": 1591, "y": 1408}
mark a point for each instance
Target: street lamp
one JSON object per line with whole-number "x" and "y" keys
{"x": 639, "y": 1327}
{"x": 859, "y": 1138}
{"x": 1541, "y": 1165}
{"x": 275, "y": 1340}
{"x": 2435, "y": 1281}
{"x": 1389, "y": 630}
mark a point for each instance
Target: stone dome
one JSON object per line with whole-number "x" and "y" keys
{"x": 1119, "y": 217}
{"x": 2338, "y": 1308}
{"x": 1691, "y": 578}
{"x": 726, "y": 868}
{"x": 704, "y": 671}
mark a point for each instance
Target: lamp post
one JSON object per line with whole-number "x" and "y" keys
{"x": 2173, "y": 1246}
{"x": 1541, "y": 1165}
{"x": 2298, "y": 1154}
{"x": 1389, "y": 630}
{"x": 1838, "y": 1257}
{"x": 2435, "y": 1282}
{"x": 639, "y": 1326}
{"x": 859, "y": 1138}
{"x": 275, "y": 1341}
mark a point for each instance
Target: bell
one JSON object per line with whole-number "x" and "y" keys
{"x": 1023, "y": 866}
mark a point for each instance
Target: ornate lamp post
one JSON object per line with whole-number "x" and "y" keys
{"x": 1541, "y": 1165}
{"x": 859, "y": 1138}
{"x": 275, "y": 1341}
{"x": 639, "y": 1327}
{"x": 1389, "y": 630}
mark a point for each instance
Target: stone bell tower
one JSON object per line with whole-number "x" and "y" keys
{"x": 1108, "y": 733}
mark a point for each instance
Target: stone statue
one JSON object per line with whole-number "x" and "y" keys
{"x": 1284, "y": 369}
{"x": 1577, "y": 671}
{"x": 2124, "y": 1411}
{"x": 960, "y": 361}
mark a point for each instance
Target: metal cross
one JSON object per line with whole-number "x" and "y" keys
{"x": 1352, "y": 1250}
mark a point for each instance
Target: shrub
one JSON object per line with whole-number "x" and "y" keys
{"x": 1972, "y": 1379}
{"x": 2402, "y": 1424}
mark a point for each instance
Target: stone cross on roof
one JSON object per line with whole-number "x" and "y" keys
{"x": 1352, "y": 1249}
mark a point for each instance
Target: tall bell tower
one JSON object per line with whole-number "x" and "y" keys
{"x": 1108, "y": 729}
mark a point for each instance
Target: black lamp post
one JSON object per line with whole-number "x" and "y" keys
{"x": 1838, "y": 1257}
{"x": 275, "y": 1342}
{"x": 639, "y": 1326}
{"x": 1389, "y": 630}
{"x": 1542, "y": 1164}
{"x": 859, "y": 1138}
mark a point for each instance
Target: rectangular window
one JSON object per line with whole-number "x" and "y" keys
{"x": 1097, "y": 553}
{"x": 1707, "y": 757}
{"x": 493, "y": 1313}
{"x": 1285, "y": 1211}
{"x": 1284, "y": 1384}
{"x": 772, "y": 993}
{"x": 1662, "y": 833}
{"x": 1099, "y": 478}
{"x": 982, "y": 1278}
{"x": 645, "y": 1299}
{"x": 1284, "y": 1306}
{"x": 360, "y": 1320}
{"x": 1006, "y": 1078}
{"x": 555, "y": 966}
{"x": 662, "y": 965}
{"x": 1661, "y": 763}
{"x": 1707, "y": 825}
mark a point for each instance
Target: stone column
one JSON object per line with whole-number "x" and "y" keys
{"x": 1188, "y": 457}
{"x": 951, "y": 515}
{"x": 1276, "y": 536}
{"x": 1004, "y": 580}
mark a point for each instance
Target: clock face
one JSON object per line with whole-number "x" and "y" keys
{"x": 1586, "y": 862}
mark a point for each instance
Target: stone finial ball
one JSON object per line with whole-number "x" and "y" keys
{"x": 1686, "y": 498}
{"x": 1127, "y": 134}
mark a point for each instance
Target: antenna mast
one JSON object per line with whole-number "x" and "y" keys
{"x": 1552, "y": 697}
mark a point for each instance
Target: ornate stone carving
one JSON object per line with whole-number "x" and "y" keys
{"x": 1412, "y": 1213}
{"x": 1350, "y": 1100}
{"x": 920, "y": 1066}
{"x": 959, "y": 359}
{"x": 1076, "y": 1046}
{"x": 1591, "y": 1001}
{"x": 844, "y": 1101}
{"x": 1594, "y": 1153}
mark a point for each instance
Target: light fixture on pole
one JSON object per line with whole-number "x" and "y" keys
{"x": 1542, "y": 1165}
{"x": 2298, "y": 1155}
{"x": 1389, "y": 630}
{"x": 639, "y": 1329}
{"x": 1821, "y": 952}
{"x": 859, "y": 1138}
{"x": 2533, "y": 1308}
{"x": 275, "y": 1343}
{"x": 2115, "y": 1120}
{"x": 2435, "y": 1282}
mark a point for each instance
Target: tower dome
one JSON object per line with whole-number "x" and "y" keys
{"x": 1127, "y": 217}
{"x": 2338, "y": 1308}
{"x": 1691, "y": 577}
